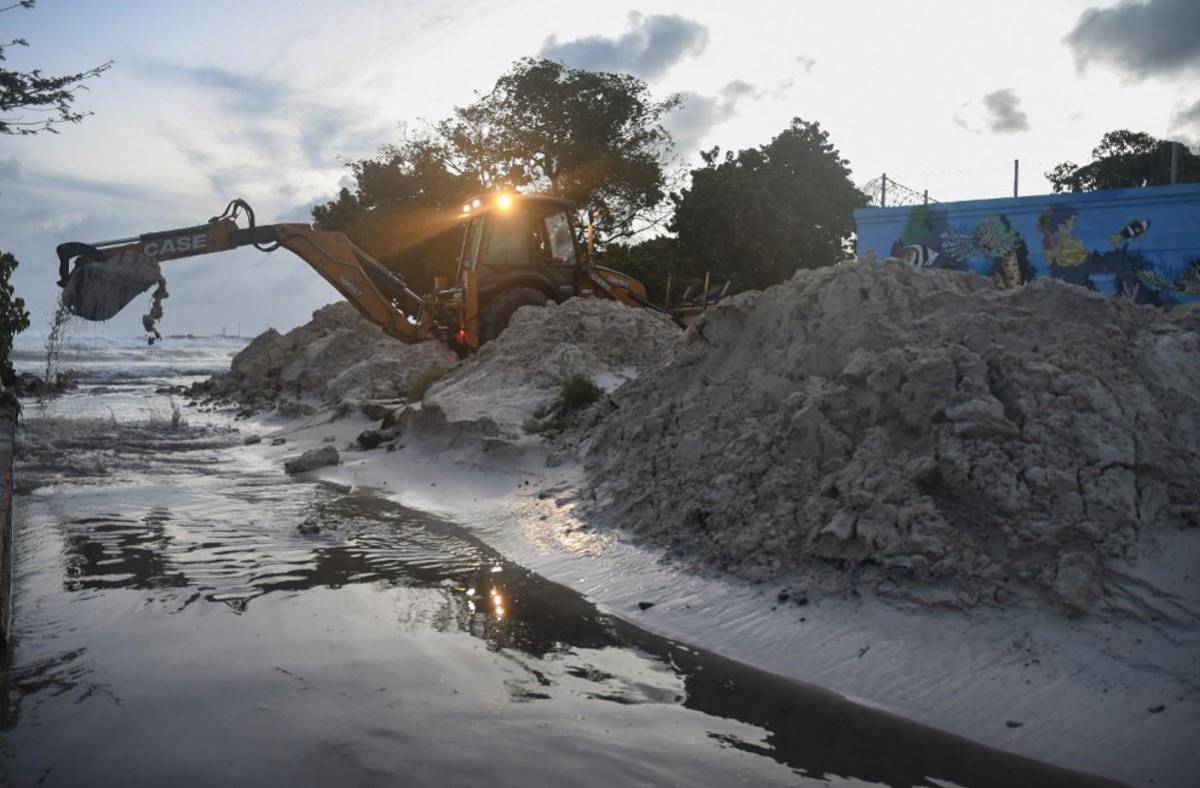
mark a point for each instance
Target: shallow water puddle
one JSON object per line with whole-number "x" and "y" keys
{"x": 179, "y": 618}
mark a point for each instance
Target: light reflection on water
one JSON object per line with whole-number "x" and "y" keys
{"x": 181, "y": 616}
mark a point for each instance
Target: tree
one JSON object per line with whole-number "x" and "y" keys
{"x": 13, "y": 317}
{"x": 592, "y": 137}
{"x": 36, "y": 92}
{"x": 758, "y": 216}
{"x": 654, "y": 260}
{"x": 595, "y": 138}
{"x": 1125, "y": 159}
{"x": 404, "y": 209}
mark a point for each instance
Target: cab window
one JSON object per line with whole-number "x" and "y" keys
{"x": 471, "y": 245}
{"x": 507, "y": 243}
{"x": 562, "y": 245}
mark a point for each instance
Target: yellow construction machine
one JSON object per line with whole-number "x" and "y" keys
{"x": 517, "y": 250}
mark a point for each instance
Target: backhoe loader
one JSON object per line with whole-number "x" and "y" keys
{"x": 517, "y": 250}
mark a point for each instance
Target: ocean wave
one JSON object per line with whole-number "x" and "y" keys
{"x": 104, "y": 358}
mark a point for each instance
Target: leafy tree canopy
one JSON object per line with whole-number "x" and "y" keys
{"x": 593, "y": 137}
{"x": 35, "y": 92}
{"x": 759, "y": 215}
{"x": 652, "y": 261}
{"x": 1125, "y": 159}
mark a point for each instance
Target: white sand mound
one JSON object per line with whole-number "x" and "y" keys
{"x": 338, "y": 356}
{"x": 522, "y": 371}
{"x": 921, "y": 434}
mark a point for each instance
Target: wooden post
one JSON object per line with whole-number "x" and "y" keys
{"x": 925, "y": 198}
{"x": 883, "y": 193}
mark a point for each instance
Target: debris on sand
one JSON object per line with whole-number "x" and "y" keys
{"x": 337, "y": 357}
{"x": 312, "y": 459}
{"x": 151, "y": 318}
{"x": 921, "y": 434}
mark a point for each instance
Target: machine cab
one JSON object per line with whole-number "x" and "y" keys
{"x": 522, "y": 237}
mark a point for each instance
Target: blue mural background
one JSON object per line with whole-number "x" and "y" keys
{"x": 1142, "y": 244}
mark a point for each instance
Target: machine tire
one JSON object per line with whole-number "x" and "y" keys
{"x": 499, "y": 310}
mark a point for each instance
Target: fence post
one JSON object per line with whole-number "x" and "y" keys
{"x": 883, "y": 193}
{"x": 925, "y": 198}
{"x": 1016, "y": 175}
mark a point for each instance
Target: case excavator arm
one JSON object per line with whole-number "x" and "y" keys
{"x": 108, "y": 275}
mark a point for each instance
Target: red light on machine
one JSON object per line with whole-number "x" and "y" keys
{"x": 462, "y": 335}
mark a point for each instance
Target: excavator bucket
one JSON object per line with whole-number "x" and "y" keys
{"x": 101, "y": 286}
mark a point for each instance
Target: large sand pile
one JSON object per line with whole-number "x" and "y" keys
{"x": 338, "y": 356}
{"x": 917, "y": 433}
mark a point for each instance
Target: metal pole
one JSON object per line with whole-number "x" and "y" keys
{"x": 1016, "y": 175}
{"x": 1174, "y": 162}
{"x": 883, "y": 193}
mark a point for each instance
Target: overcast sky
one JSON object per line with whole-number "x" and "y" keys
{"x": 263, "y": 100}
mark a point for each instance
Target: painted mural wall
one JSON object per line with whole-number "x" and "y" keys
{"x": 1141, "y": 244}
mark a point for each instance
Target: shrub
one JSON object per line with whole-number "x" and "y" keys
{"x": 419, "y": 384}
{"x": 13, "y": 317}
{"x": 577, "y": 393}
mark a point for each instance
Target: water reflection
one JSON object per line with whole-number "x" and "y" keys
{"x": 228, "y": 539}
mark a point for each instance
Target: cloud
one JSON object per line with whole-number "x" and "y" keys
{"x": 1004, "y": 112}
{"x": 653, "y": 44}
{"x": 1186, "y": 116}
{"x": 699, "y": 114}
{"x": 437, "y": 20}
{"x": 266, "y": 129}
{"x": 238, "y": 92}
{"x": 1185, "y": 123}
{"x": 998, "y": 112}
{"x": 1140, "y": 39}
{"x": 10, "y": 168}
{"x": 91, "y": 188}
{"x": 962, "y": 123}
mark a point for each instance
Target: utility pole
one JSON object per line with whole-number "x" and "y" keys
{"x": 1016, "y": 175}
{"x": 1174, "y": 163}
{"x": 883, "y": 193}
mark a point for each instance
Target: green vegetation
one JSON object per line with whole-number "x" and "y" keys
{"x": 35, "y": 91}
{"x": 577, "y": 393}
{"x": 14, "y": 318}
{"x": 421, "y": 382}
{"x": 652, "y": 261}
{"x": 1125, "y": 159}
{"x": 758, "y": 216}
